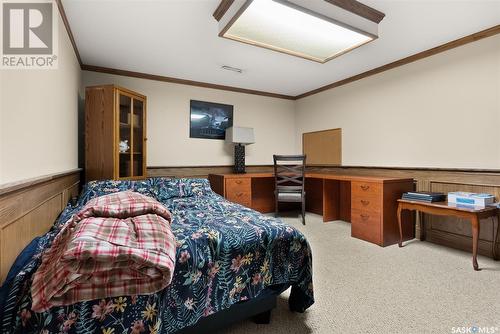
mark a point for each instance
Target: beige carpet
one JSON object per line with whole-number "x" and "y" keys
{"x": 364, "y": 288}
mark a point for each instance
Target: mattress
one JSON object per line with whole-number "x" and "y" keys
{"x": 226, "y": 254}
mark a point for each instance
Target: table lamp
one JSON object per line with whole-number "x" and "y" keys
{"x": 240, "y": 137}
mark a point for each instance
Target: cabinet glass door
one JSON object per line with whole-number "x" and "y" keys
{"x": 125, "y": 136}
{"x": 138, "y": 138}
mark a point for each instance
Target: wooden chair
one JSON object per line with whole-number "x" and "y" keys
{"x": 289, "y": 172}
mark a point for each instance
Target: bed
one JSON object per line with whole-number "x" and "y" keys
{"x": 228, "y": 258}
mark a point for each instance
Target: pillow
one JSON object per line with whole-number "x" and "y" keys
{"x": 98, "y": 188}
{"x": 167, "y": 188}
{"x": 195, "y": 187}
{"x": 160, "y": 188}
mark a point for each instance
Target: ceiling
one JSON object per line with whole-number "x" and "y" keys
{"x": 178, "y": 38}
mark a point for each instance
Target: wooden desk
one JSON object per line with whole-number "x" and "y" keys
{"x": 369, "y": 203}
{"x": 473, "y": 214}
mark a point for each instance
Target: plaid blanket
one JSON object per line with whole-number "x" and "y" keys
{"x": 118, "y": 244}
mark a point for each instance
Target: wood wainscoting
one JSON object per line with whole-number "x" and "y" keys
{"x": 28, "y": 209}
{"x": 446, "y": 231}
{"x": 202, "y": 171}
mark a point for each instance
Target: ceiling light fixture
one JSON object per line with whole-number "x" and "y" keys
{"x": 233, "y": 69}
{"x": 296, "y": 27}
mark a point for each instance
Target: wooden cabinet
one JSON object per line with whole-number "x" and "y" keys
{"x": 252, "y": 190}
{"x": 366, "y": 211}
{"x": 115, "y": 133}
{"x": 373, "y": 210}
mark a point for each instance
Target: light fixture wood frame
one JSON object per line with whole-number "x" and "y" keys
{"x": 226, "y": 4}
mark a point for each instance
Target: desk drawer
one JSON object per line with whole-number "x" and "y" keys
{"x": 242, "y": 184}
{"x": 240, "y": 197}
{"x": 239, "y": 191}
{"x": 367, "y": 202}
{"x": 365, "y": 189}
{"x": 366, "y": 225}
{"x": 366, "y": 196}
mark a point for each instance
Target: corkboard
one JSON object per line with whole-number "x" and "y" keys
{"x": 323, "y": 147}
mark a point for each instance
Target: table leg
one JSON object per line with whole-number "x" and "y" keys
{"x": 422, "y": 225}
{"x": 475, "y": 240}
{"x": 495, "y": 240}
{"x": 400, "y": 243}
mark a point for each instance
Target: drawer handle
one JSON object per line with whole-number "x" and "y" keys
{"x": 238, "y": 181}
{"x": 365, "y": 202}
{"x": 365, "y": 188}
{"x": 364, "y": 217}
{"x": 239, "y": 194}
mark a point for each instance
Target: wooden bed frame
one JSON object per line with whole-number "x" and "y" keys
{"x": 29, "y": 208}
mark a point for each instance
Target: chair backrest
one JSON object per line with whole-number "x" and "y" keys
{"x": 289, "y": 172}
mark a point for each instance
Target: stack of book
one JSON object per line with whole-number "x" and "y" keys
{"x": 462, "y": 197}
{"x": 424, "y": 196}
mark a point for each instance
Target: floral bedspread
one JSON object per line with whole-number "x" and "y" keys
{"x": 226, "y": 253}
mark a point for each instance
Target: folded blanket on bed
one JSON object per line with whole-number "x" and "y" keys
{"x": 118, "y": 244}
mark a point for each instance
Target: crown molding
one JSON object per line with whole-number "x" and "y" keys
{"x": 421, "y": 55}
{"x": 68, "y": 30}
{"x": 182, "y": 81}
{"x": 407, "y": 60}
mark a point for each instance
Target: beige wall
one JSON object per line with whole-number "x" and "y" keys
{"x": 402, "y": 117}
{"x": 168, "y": 122}
{"x": 38, "y": 117}
{"x": 442, "y": 111}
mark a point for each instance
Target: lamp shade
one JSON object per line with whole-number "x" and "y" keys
{"x": 240, "y": 135}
